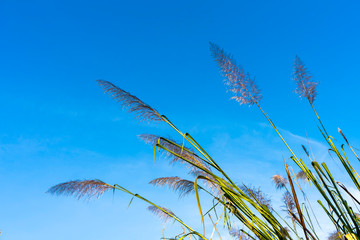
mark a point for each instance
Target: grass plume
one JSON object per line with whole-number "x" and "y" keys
{"x": 236, "y": 79}
{"x": 142, "y": 111}
{"x": 305, "y": 86}
{"x": 177, "y": 148}
{"x": 163, "y": 213}
{"x": 279, "y": 181}
{"x": 86, "y": 189}
{"x": 182, "y": 186}
{"x": 257, "y": 195}
{"x": 301, "y": 175}
{"x": 238, "y": 234}
{"x": 289, "y": 203}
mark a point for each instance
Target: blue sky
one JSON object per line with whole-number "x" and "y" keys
{"x": 57, "y": 125}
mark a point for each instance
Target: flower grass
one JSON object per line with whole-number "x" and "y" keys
{"x": 246, "y": 212}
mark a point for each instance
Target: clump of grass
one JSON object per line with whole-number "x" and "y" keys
{"x": 246, "y": 207}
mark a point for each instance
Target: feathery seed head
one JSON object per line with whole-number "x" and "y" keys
{"x": 163, "y": 213}
{"x": 289, "y": 203}
{"x": 238, "y": 234}
{"x": 236, "y": 80}
{"x": 305, "y": 86}
{"x": 81, "y": 189}
{"x": 183, "y": 152}
{"x": 142, "y": 111}
{"x": 280, "y": 181}
{"x": 301, "y": 175}
{"x": 257, "y": 195}
{"x": 182, "y": 186}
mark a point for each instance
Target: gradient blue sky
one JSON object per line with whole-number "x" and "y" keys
{"x": 57, "y": 125}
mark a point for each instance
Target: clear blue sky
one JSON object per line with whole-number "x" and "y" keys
{"x": 57, "y": 125}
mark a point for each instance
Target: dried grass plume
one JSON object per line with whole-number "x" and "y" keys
{"x": 142, "y": 111}
{"x": 305, "y": 86}
{"x": 86, "y": 189}
{"x": 289, "y": 202}
{"x": 301, "y": 175}
{"x": 236, "y": 79}
{"x": 163, "y": 213}
{"x": 256, "y": 194}
{"x": 182, "y": 186}
{"x": 279, "y": 181}
{"x": 183, "y": 152}
{"x": 239, "y": 234}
